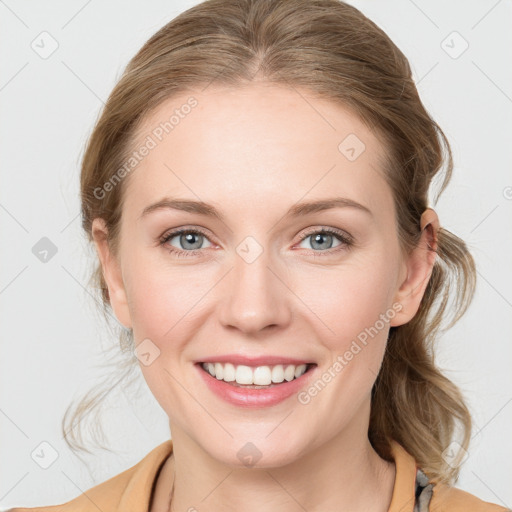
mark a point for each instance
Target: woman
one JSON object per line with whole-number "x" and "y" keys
{"x": 242, "y": 138}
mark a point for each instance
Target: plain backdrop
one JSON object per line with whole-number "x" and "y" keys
{"x": 51, "y": 335}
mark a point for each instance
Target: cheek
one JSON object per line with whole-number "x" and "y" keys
{"x": 164, "y": 299}
{"x": 352, "y": 312}
{"x": 344, "y": 314}
{"x": 351, "y": 305}
{"x": 343, "y": 301}
{"x": 167, "y": 307}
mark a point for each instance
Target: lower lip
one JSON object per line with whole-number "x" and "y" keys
{"x": 251, "y": 397}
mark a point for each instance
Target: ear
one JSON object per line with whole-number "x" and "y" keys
{"x": 419, "y": 265}
{"x": 111, "y": 273}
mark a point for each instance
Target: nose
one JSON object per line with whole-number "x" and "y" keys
{"x": 256, "y": 295}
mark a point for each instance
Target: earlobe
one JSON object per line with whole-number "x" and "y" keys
{"x": 419, "y": 267}
{"x": 111, "y": 273}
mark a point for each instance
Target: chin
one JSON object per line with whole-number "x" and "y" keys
{"x": 260, "y": 453}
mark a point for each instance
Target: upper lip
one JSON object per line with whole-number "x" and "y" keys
{"x": 238, "y": 359}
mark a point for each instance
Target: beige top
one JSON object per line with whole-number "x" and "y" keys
{"x": 131, "y": 490}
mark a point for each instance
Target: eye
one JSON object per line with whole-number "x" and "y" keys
{"x": 323, "y": 238}
{"x": 189, "y": 241}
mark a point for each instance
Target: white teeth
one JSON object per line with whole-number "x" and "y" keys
{"x": 278, "y": 373}
{"x": 289, "y": 373}
{"x": 229, "y": 373}
{"x": 260, "y": 376}
{"x": 298, "y": 371}
{"x": 219, "y": 371}
{"x": 244, "y": 375}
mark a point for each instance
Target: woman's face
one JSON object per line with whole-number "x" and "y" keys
{"x": 260, "y": 280}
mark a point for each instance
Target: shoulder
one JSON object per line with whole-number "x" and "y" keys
{"x": 446, "y": 498}
{"x": 412, "y": 485}
{"x": 130, "y": 489}
{"x": 103, "y": 496}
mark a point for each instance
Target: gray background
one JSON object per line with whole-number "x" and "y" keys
{"x": 51, "y": 335}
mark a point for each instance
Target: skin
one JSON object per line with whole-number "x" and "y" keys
{"x": 254, "y": 152}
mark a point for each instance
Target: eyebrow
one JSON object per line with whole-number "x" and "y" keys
{"x": 296, "y": 210}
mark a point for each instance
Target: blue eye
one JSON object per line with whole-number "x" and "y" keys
{"x": 190, "y": 238}
{"x": 191, "y": 241}
{"x": 325, "y": 236}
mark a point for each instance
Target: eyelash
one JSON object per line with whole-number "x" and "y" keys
{"x": 346, "y": 241}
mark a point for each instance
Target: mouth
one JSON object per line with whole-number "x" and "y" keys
{"x": 255, "y": 377}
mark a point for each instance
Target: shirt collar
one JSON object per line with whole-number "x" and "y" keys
{"x": 137, "y": 492}
{"x": 403, "y": 496}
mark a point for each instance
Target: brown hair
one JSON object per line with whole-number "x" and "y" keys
{"x": 331, "y": 50}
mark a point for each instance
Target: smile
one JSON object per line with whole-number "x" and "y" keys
{"x": 255, "y": 376}
{"x": 254, "y": 387}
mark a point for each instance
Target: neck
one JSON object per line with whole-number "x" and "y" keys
{"x": 344, "y": 473}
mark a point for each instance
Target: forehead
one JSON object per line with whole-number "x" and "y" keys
{"x": 256, "y": 143}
